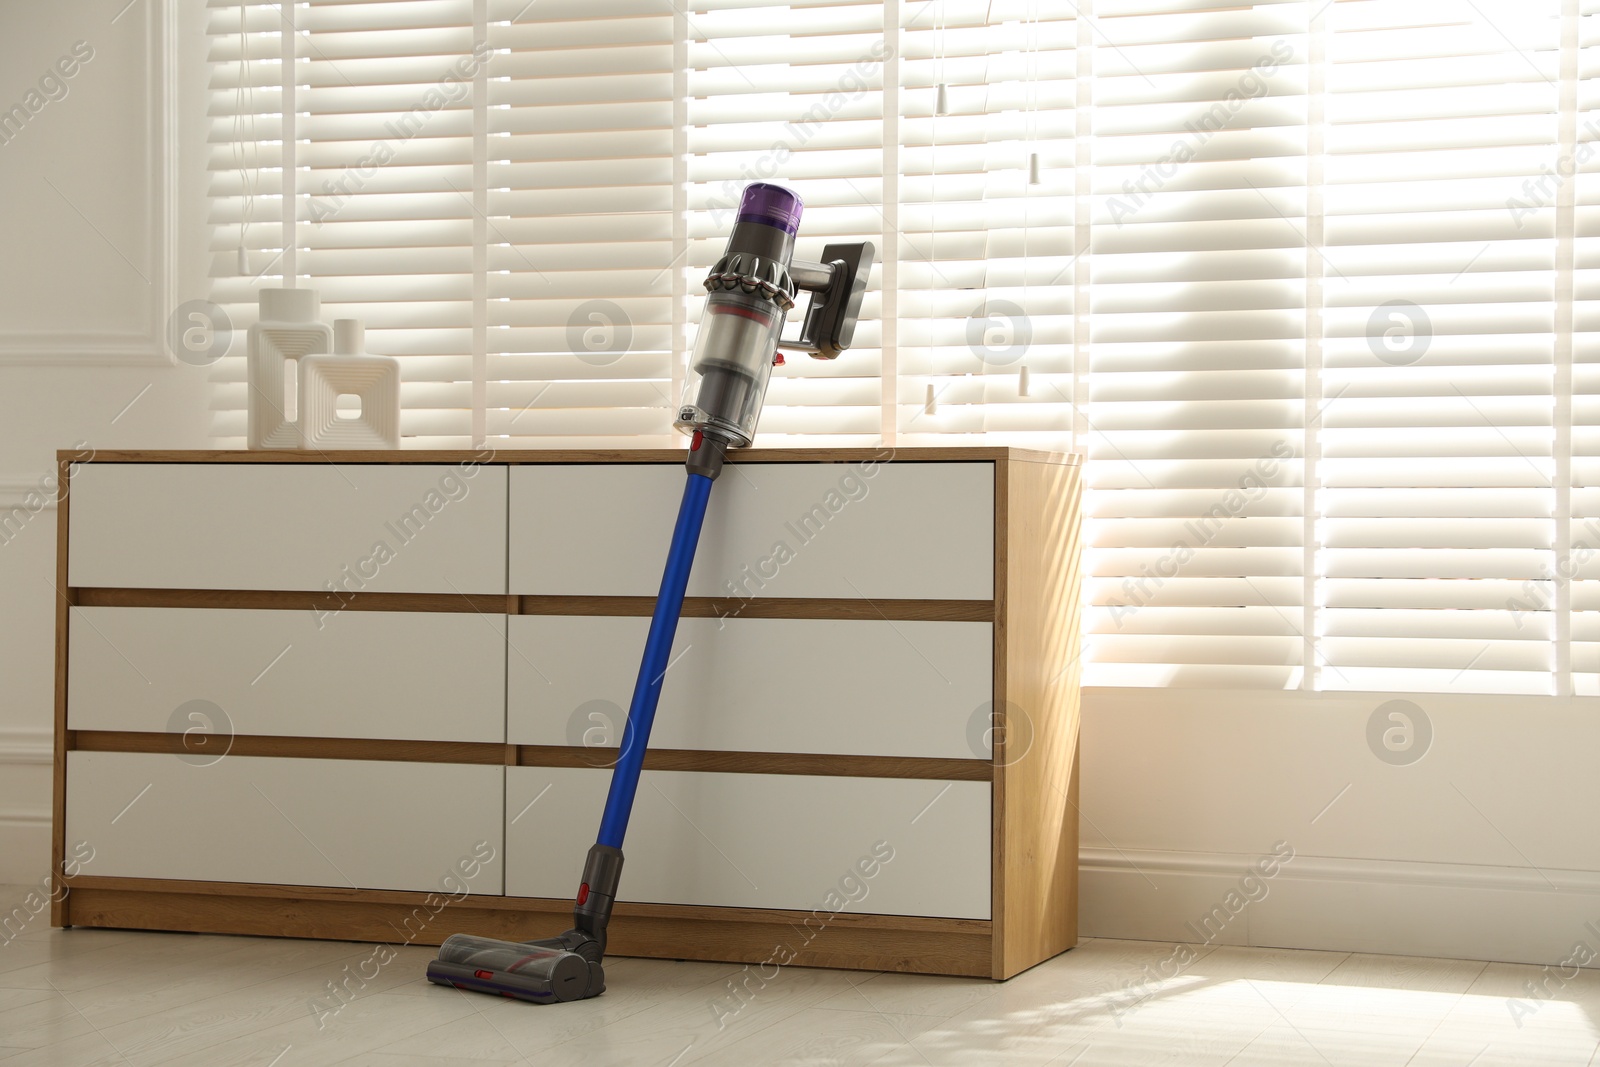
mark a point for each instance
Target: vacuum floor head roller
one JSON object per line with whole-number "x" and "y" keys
{"x": 750, "y": 291}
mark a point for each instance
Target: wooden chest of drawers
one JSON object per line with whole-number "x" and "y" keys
{"x": 306, "y": 697}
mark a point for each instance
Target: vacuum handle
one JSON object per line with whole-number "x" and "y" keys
{"x": 837, "y": 286}
{"x": 655, "y": 661}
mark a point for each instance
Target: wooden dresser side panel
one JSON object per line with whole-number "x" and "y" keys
{"x": 1036, "y": 758}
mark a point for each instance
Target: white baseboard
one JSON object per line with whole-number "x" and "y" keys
{"x": 1459, "y": 911}
{"x": 24, "y": 746}
{"x": 35, "y": 492}
{"x": 24, "y": 847}
{"x": 24, "y": 830}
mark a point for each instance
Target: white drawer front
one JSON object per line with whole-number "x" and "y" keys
{"x": 346, "y": 823}
{"x": 870, "y": 688}
{"x": 897, "y": 530}
{"x": 405, "y": 675}
{"x": 385, "y": 527}
{"x": 758, "y": 840}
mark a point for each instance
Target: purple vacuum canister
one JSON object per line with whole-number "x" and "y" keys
{"x": 749, "y": 294}
{"x": 773, "y": 205}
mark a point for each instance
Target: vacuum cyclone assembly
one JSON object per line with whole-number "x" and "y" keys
{"x": 750, "y": 291}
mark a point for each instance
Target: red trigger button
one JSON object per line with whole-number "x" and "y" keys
{"x": 583, "y": 890}
{"x": 777, "y": 359}
{"x": 694, "y": 446}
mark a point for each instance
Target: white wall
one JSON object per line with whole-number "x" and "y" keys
{"x": 96, "y": 249}
{"x": 1483, "y": 848}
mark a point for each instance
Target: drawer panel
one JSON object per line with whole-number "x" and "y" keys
{"x": 758, "y": 841}
{"x": 344, "y": 823}
{"x": 892, "y": 531}
{"x": 869, "y": 688}
{"x": 403, "y": 675}
{"x": 380, "y": 527}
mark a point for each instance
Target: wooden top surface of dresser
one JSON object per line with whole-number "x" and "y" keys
{"x": 881, "y": 454}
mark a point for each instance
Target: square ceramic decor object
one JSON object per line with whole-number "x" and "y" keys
{"x": 373, "y": 381}
{"x": 349, "y": 399}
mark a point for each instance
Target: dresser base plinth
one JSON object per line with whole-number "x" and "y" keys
{"x": 910, "y": 944}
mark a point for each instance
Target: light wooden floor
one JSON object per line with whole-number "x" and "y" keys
{"x": 87, "y": 997}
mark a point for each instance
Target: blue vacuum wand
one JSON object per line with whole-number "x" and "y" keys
{"x": 749, "y": 293}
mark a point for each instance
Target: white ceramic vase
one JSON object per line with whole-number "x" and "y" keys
{"x": 285, "y": 333}
{"x": 374, "y": 382}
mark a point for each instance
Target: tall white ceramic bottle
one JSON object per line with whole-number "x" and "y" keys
{"x": 286, "y": 331}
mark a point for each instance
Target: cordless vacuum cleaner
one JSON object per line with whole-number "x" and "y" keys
{"x": 750, "y": 291}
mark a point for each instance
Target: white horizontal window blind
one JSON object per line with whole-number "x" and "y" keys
{"x": 1333, "y": 356}
{"x": 371, "y": 141}
{"x": 985, "y": 192}
{"x": 940, "y": 132}
{"x": 529, "y": 238}
{"x": 1312, "y": 283}
{"x": 1198, "y": 318}
{"x": 1570, "y": 589}
{"x": 1439, "y": 466}
{"x": 586, "y": 280}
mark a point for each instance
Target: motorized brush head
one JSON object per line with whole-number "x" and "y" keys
{"x": 524, "y": 971}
